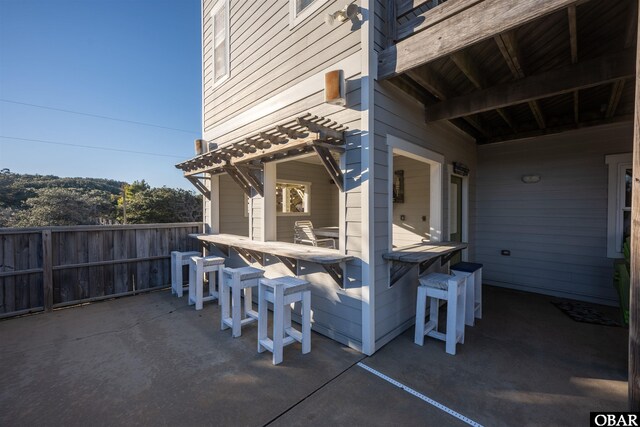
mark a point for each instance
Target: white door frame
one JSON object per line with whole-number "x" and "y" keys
{"x": 465, "y": 208}
{"x": 436, "y": 163}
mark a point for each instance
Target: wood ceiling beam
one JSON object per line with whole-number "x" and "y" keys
{"x": 508, "y": 45}
{"x": 618, "y": 87}
{"x": 434, "y": 83}
{"x": 474, "y": 22}
{"x": 471, "y": 69}
{"x": 420, "y": 94}
{"x": 573, "y": 42}
{"x": 558, "y": 129}
{"x": 582, "y": 75}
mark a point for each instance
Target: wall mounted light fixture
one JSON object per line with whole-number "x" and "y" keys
{"x": 531, "y": 179}
{"x": 349, "y": 12}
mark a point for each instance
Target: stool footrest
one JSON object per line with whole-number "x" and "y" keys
{"x": 268, "y": 342}
{"x": 229, "y": 321}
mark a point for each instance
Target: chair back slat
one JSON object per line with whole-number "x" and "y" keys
{"x": 303, "y": 230}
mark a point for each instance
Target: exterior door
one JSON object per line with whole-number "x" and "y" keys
{"x": 455, "y": 213}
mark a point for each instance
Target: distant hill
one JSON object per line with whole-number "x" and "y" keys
{"x": 47, "y": 200}
{"x": 16, "y": 188}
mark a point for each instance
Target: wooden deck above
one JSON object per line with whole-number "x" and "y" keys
{"x": 564, "y": 64}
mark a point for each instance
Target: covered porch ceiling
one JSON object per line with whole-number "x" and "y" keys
{"x": 503, "y": 70}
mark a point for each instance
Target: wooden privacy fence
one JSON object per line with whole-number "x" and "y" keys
{"x": 51, "y": 267}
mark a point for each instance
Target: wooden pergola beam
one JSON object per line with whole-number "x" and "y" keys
{"x": 508, "y": 45}
{"x": 474, "y": 22}
{"x": 634, "y": 298}
{"x": 556, "y": 82}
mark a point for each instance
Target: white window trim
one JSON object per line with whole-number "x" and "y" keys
{"x": 465, "y": 208}
{"x": 307, "y": 198}
{"x": 436, "y": 163}
{"x": 296, "y": 18}
{"x": 219, "y": 4}
{"x": 618, "y": 163}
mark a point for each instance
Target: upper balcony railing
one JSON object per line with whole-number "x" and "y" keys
{"x": 407, "y": 17}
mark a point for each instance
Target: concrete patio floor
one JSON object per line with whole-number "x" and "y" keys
{"x": 152, "y": 360}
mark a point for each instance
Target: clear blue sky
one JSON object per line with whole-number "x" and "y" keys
{"x": 135, "y": 60}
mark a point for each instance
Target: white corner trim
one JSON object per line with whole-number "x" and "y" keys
{"x": 351, "y": 66}
{"x": 367, "y": 165}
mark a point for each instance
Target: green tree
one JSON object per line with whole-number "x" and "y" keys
{"x": 65, "y": 206}
{"x": 160, "y": 205}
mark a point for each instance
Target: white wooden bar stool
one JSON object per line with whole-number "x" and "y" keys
{"x": 235, "y": 282}
{"x": 473, "y": 273}
{"x": 179, "y": 259}
{"x": 283, "y": 292}
{"x": 438, "y": 287}
{"x": 198, "y": 267}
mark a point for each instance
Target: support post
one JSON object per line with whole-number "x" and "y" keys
{"x": 214, "y": 203}
{"x": 47, "y": 270}
{"x": 634, "y": 303}
{"x": 269, "y": 218}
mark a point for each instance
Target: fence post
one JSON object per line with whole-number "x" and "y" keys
{"x": 47, "y": 270}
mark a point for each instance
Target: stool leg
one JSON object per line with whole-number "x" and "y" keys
{"x": 306, "y": 322}
{"x": 220, "y": 279}
{"x": 248, "y": 302}
{"x": 462, "y": 308}
{"x": 434, "y": 312}
{"x": 179, "y": 280}
{"x": 287, "y": 318}
{"x": 174, "y": 267}
{"x": 421, "y": 303}
{"x": 452, "y": 315}
{"x": 478, "y": 299}
{"x": 262, "y": 317}
{"x": 199, "y": 286}
{"x": 192, "y": 283}
{"x": 236, "y": 305}
{"x": 223, "y": 299}
{"x": 278, "y": 324}
{"x": 470, "y": 301}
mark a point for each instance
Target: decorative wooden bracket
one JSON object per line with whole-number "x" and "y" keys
{"x": 200, "y": 186}
{"x": 445, "y": 259}
{"x": 336, "y": 272}
{"x": 290, "y": 263}
{"x": 250, "y": 176}
{"x": 330, "y": 164}
{"x": 399, "y": 270}
{"x": 239, "y": 179}
{"x": 257, "y": 256}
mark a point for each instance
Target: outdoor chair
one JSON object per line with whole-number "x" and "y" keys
{"x": 303, "y": 233}
{"x": 198, "y": 267}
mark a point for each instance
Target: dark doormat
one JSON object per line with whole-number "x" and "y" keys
{"x": 584, "y": 312}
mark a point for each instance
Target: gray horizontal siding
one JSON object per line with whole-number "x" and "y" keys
{"x": 556, "y": 229}
{"x": 233, "y": 217}
{"x": 267, "y": 57}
